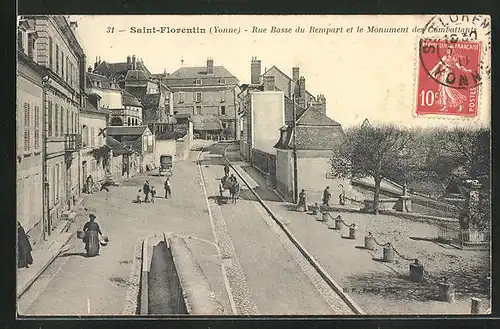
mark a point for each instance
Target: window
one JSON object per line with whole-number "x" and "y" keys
{"x": 57, "y": 62}
{"x": 222, "y": 81}
{"x": 62, "y": 121}
{"x": 57, "y": 183}
{"x": 37, "y": 127}
{"x": 85, "y": 135}
{"x": 27, "y": 121}
{"x": 223, "y": 96}
{"x": 181, "y": 97}
{"x": 224, "y": 125}
{"x": 68, "y": 127}
{"x": 52, "y": 186}
{"x": 20, "y": 37}
{"x": 223, "y": 110}
{"x": 31, "y": 45}
{"x": 67, "y": 69}
{"x": 50, "y": 52}
{"x": 50, "y": 118}
{"x": 92, "y": 136}
{"x": 198, "y": 97}
{"x": 198, "y": 109}
{"x": 62, "y": 64}
{"x": 128, "y": 122}
{"x": 198, "y": 81}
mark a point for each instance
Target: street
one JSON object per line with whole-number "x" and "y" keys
{"x": 263, "y": 276}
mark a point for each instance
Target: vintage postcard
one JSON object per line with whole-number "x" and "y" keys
{"x": 253, "y": 165}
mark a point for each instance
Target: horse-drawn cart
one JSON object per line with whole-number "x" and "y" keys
{"x": 232, "y": 188}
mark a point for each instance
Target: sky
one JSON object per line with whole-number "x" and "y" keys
{"x": 362, "y": 75}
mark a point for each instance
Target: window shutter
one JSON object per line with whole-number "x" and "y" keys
{"x": 37, "y": 128}
{"x": 27, "y": 127}
{"x": 49, "y": 119}
{"x": 56, "y": 120}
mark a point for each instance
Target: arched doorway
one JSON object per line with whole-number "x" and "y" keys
{"x": 116, "y": 122}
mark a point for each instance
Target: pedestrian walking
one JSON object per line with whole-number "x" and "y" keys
{"x": 138, "y": 199}
{"x": 342, "y": 195}
{"x": 326, "y": 196}
{"x": 302, "y": 201}
{"x": 145, "y": 190}
{"x": 24, "y": 258}
{"x": 153, "y": 193}
{"x": 89, "y": 186}
{"x": 168, "y": 191}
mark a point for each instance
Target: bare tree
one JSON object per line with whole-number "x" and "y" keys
{"x": 371, "y": 151}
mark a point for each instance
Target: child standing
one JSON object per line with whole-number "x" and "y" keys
{"x": 138, "y": 200}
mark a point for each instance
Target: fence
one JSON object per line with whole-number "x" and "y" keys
{"x": 464, "y": 239}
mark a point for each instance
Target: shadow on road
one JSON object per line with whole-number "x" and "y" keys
{"x": 69, "y": 254}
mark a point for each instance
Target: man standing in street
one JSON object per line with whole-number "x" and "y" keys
{"x": 145, "y": 190}
{"x": 168, "y": 192}
{"x": 326, "y": 196}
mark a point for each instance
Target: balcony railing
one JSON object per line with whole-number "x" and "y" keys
{"x": 73, "y": 142}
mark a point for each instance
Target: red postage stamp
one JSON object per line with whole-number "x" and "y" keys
{"x": 448, "y": 77}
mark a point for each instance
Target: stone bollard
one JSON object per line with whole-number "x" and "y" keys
{"x": 369, "y": 242}
{"x": 338, "y": 223}
{"x": 446, "y": 292}
{"x": 330, "y": 223}
{"x": 475, "y": 306}
{"x": 352, "y": 232}
{"x": 417, "y": 272}
{"x": 315, "y": 209}
{"x": 324, "y": 217}
{"x": 388, "y": 254}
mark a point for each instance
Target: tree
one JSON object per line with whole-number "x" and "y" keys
{"x": 372, "y": 151}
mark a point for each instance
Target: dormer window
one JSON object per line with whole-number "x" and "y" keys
{"x": 222, "y": 81}
{"x": 198, "y": 82}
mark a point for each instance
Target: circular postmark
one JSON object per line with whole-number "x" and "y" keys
{"x": 453, "y": 50}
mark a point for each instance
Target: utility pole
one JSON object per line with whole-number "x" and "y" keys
{"x": 295, "y": 180}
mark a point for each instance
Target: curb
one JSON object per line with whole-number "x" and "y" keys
{"x": 42, "y": 269}
{"x": 329, "y": 280}
{"x": 144, "y": 293}
{"x": 132, "y": 298}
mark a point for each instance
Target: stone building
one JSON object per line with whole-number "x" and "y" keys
{"x": 139, "y": 139}
{"x": 150, "y": 90}
{"x": 29, "y": 135}
{"x": 206, "y": 90}
{"x": 93, "y": 121}
{"x": 124, "y": 108}
{"x": 56, "y": 48}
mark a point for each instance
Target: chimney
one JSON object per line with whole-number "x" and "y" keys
{"x": 96, "y": 63}
{"x": 129, "y": 63}
{"x": 321, "y": 103}
{"x": 295, "y": 74}
{"x": 269, "y": 83}
{"x": 210, "y": 66}
{"x": 133, "y": 63}
{"x": 255, "y": 71}
{"x": 301, "y": 97}
{"x": 99, "y": 59}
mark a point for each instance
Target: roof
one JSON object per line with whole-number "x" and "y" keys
{"x": 136, "y": 75}
{"x": 313, "y": 116}
{"x": 104, "y": 82}
{"x": 299, "y": 110}
{"x": 319, "y": 137}
{"x": 89, "y": 107}
{"x": 206, "y": 122}
{"x": 126, "y": 130}
{"x": 129, "y": 99}
{"x": 286, "y": 76}
{"x": 116, "y": 69}
{"x": 200, "y": 72}
{"x": 116, "y": 146}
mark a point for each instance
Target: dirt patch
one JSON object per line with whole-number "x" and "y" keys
{"x": 121, "y": 282}
{"x": 125, "y": 261}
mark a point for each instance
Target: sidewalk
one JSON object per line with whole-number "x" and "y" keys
{"x": 43, "y": 255}
{"x": 378, "y": 287}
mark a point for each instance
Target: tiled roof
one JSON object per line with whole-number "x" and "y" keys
{"x": 313, "y": 116}
{"x": 136, "y": 75}
{"x": 299, "y": 110}
{"x": 126, "y": 130}
{"x": 116, "y": 146}
{"x": 129, "y": 99}
{"x": 89, "y": 107}
{"x": 206, "y": 122}
{"x": 200, "y": 72}
{"x": 311, "y": 137}
{"x": 116, "y": 68}
{"x": 287, "y": 77}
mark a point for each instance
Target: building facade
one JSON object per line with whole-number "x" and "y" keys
{"x": 94, "y": 155}
{"x": 29, "y": 136}
{"x": 57, "y": 49}
{"x": 137, "y": 138}
{"x": 208, "y": 90}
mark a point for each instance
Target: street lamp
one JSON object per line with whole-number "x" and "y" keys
{"x": 46, "y": 82}
{"x": 295, "y": 179}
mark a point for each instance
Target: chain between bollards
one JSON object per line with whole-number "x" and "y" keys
{"x": 343, "y": 222}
